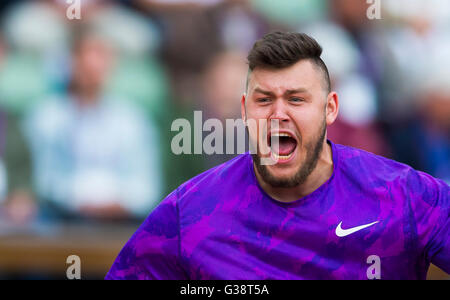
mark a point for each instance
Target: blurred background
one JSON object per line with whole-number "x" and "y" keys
{"x": 86, "y": 106}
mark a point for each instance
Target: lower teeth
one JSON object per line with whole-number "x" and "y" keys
{"x": 281, "y": 157}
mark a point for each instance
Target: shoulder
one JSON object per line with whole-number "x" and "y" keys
{"x": 363, "y": 163}
{"x": 198, "y": 196}
{"x": 374, "y": 170}
{"x": 215, "y": 179}
{"x": 206, "y": 186}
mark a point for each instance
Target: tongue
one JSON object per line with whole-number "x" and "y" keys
{"x": 286, "y": 146}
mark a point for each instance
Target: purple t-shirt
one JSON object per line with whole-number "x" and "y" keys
{"x": 373, "y": 218}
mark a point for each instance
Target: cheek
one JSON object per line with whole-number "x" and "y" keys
{"x": 257, "y": 115}
{"x": 308, "y": 125}
{"x": 256, "y": 112}
{"x": 258, "y": 126}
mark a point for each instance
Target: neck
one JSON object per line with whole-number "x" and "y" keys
{"x": 321, "y": 173}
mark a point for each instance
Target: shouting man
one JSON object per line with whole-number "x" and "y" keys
{"x": 320, "y": 211}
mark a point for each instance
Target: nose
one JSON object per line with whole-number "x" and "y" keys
{"x": 279, "y": 111}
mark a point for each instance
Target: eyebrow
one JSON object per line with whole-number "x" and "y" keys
{"x": 286, "y": 93}
{"x": 296, "y": 91}
{"x": 268, "y": 93}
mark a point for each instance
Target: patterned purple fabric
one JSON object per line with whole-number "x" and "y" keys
{"x": 222, "y": 225}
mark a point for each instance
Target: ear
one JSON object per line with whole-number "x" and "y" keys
{"x": 243, "y": 113}
{"x": 332, "y": 108}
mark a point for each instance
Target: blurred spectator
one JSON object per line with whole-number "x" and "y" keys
{"x": 415, "y": 12}
{"x": 291, "y": 13}
{"x": 424, "y": 140}
{"x": 93, "y": 156}
{"x": 358, "y": 100}
{"x": 239, "y": 24}
{"x": 351, "y": 14}
{"x": 378, "y": 81}
{"x": 356, "y": 125}
{"x": 36, "y": 34}
{"x": 19, "y": 206}
{"x": 138, "y": 75}
{"x": 412, "y": 48}
{"x": 187, "y": 26}
{"x": 3, "y": 181}
{"x": 365, "y": 36}
{"x": 201, "y": 28}
{"x": 16, "y": 196}
{"x": 3, "y": 176}
{"x": 416, "y": 83}
{"x": 193, "y": 34}
{"x": 223, "y": 84}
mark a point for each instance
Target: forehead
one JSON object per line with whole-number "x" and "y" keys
{"x": 303, "y": 74}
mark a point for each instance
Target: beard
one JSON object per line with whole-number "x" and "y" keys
{"x": 313, "y": 150}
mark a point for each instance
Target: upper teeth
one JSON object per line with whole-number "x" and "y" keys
{"x": 281, "y": 134}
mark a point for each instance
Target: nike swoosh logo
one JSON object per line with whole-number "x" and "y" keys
{"x": 344, "y": 232}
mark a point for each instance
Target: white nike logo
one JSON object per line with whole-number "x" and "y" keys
{"x": 344, "y": 232}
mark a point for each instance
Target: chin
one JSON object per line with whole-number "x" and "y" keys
{"x": 282, "y": 172}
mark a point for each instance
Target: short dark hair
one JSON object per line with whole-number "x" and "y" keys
{"x": 278, "y": 50}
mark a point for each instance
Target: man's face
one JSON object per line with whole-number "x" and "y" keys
{"x": 92, "y": 62}
{"x": 296, "y": 97}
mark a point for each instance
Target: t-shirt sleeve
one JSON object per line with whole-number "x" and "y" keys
{"x": 153, "y": 252}
{"x": 432, "y": 214}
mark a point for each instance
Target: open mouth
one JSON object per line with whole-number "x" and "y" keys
{"x": 282, "y": 145}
